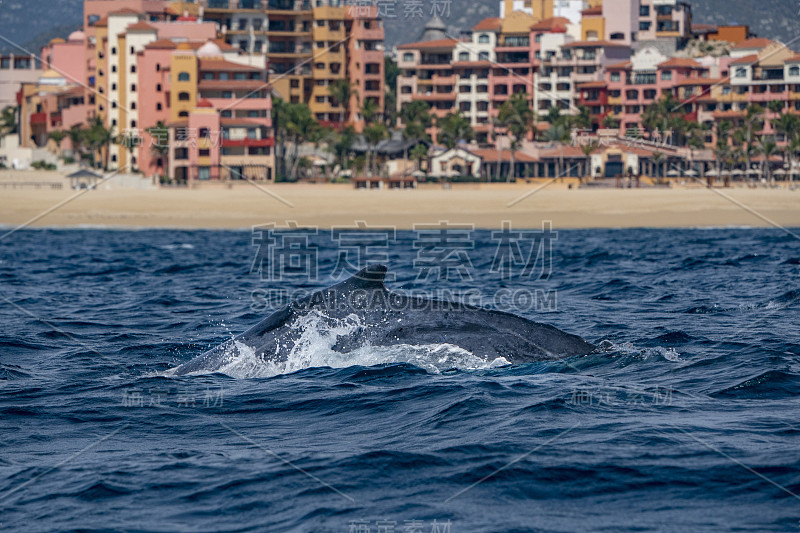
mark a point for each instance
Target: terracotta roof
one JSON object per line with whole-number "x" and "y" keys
{"x": 438, "y": 43}
{"x": 756, "y": 42}
{"x": 749, "y": 60}
{"x": 141, "y": 26}
{"x": 680, "y": 62}
{"x": 162, "y": 44}
{"x": 225, "y": 47}
{"x": 793, "y": 59}
{"x": 592, "y": 11}
{"x": 553, "y": 23}
{"x": 623, "y": 65}
{"x": 490, "y": 154}
{"x": 125, "y": 11}
{"x": 563, "y": 151}
{"x": 491, "y": 23}
{"x": 102, "y": 23}
{"x": 222, "y": 65}
{"x": 594, "y": 44}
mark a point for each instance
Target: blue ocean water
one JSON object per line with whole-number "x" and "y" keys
{"x": 684, "y": 419}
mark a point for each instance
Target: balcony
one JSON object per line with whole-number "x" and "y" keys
{"x": 38, "y": 118}
{"x": 219, "y": 4}
{"x": 289, "y": 6}
{"x": 250, "y": 4}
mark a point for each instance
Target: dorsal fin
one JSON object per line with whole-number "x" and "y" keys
{"x": 371, "y": 277}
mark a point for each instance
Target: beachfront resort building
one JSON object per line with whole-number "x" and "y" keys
{"x": 138, "y": 66}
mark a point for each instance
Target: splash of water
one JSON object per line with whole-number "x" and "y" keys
{"x": 313, "y": 347}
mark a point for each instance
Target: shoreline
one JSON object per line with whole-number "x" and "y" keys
{"x": 326, "y": 205}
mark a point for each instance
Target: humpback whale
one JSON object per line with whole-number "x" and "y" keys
{"x": 382, "y": 318}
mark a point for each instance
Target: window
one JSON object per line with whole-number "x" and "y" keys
{"x": 133, "y": 105}
{"x": 224, "y": 76}
{"x": 158, "y": 88}
{"x": 794, "y": 71}
{"x": 183, "y": 114}
{"x": 133, "y": 87}
{"x": 240, "y": 76}
{"x": 133, "y": 50}
{"x": 113, "y": 86}
{"x": 204, "y": 152}
{"x": 185, "y": 76}
{"x": 159, "y": 107}
{"x": 666, "y": 75}
{"x": 644, "y": 26}
{"x": 113, "y": 50}
{"x": 741, "y": 72}
{"x": 113, "y": 68}
{"x": 184, "y": 97}
{"x": 483, "y": 56}
{"x": 227, "y": 113}
{"x": 227, "y": 94}
{"x": 644, "y": 11}
{"x": 617, "y": 36}
{"x": 408, "y": 56}
{"x": 158, "y": 67}
{"x": 463, "y": 56}
{"x": 405, "y": 89}
{"x": 483, "y": 38}
{"x": 615, "y": 76}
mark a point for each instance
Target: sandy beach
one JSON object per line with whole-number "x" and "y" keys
{"x": 485, "y": 206}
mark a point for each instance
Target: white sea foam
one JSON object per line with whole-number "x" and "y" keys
{"x": 314, "y": 348}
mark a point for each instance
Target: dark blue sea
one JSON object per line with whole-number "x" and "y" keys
{"x": 686, "y": 417}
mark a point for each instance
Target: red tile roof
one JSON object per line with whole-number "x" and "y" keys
{"x": 162, "y": 44}
{"x": 793, "y": 59}
{"x": 593, "y": 11}
{"x": 754, "y": 43}
{"x": 125, "y": 11}
{"x": 624, "y": 65}
{"x": 141, "y": 26}
{"x": 438, "y": 43}
{"x": 487, "y": 24}
{"x": 491, "y": 155}
{"x": 746, "y": 60}
{"x": 553, "y": 23}
{"x": 680, "y": 62}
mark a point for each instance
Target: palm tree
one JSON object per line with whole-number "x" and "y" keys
{"x": 751, "y": 124}
{"x": 342, "y": 92}
{"x": 57, "y": 136}
{"x": 775, "y": 107}
{"x": 77, "y": 137}
{"x": 374, "y": 134}
{"x": 659, "y": 159}
{"x": 454, "y": 128}
{"x": 791, "y": 149}
{"x": 417, "y": 153}
{"x": 369, "y": 110}
{"x": 516, "y": 116}
{"x": 8, "y": 121}
{"x": 587, "y": 149}
{"x": 610, "y": 122}
{"x": 98, "y": 138}
{"x": 343, "y": 144}
{"x": 768, "y": 147}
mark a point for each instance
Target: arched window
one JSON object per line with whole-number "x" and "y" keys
{"x": 463, "y": 56}
{"x": 183, "y": 114}
{"x": 184, "y": 76}
{"x": 591, "y": 35}
{"x": 741, "y": 72}
{"x": 483, "y": 38}
{"x": 184, "y": 97}
{"x": 794, "y": 71}
{"x": 483, "y": 56}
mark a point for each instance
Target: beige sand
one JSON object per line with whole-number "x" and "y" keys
{"x": 325, "y": 205}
